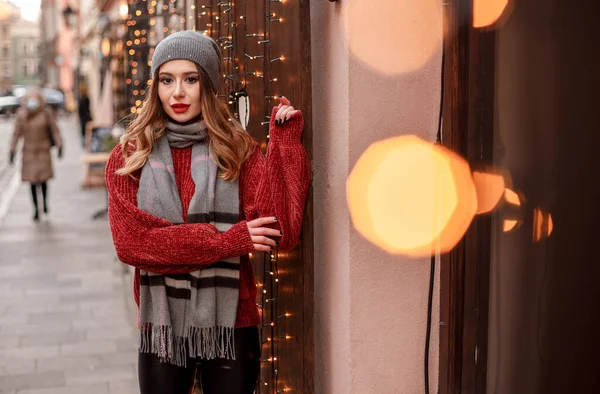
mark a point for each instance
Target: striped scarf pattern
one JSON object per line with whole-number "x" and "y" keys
{"x": 189, "y": 315}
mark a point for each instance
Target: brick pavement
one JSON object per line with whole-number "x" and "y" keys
{"x": 66, "y": 315}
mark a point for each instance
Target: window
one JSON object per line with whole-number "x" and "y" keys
{"x": 25, "y": 47}
{"x": 522, "y": 290}
{"x": 25, "y": 68}
{"x": 5, "y": 52}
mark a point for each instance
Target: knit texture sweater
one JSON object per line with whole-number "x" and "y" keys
{"x": 275, "y": 185}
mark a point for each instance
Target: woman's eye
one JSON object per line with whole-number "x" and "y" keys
{"x": 166, "y": 80}
{"x": 192, "y": 79}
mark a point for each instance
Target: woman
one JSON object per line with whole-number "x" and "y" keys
{"x": 190, "y": 195}
{"x": 35, "y": 123}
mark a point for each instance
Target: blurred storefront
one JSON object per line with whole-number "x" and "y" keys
{"x": 101, "y": 67}
{"x": 58, "y": 25}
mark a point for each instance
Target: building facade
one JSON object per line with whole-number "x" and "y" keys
{"x": 6, "y": 75}
{"x": 26, "y": 52}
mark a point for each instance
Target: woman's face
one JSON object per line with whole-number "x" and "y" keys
{"x": 179, "y": 90}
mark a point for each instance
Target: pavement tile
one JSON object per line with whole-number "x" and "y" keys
{"x": 68, "y": 363}
{"x": 32, "y": 381}
{"x": 104, "y": 374}
{"x": 88, "y": 389}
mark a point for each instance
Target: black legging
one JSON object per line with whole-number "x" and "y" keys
{"x": 218, "y": 376}
{"x": 34, "y": 195}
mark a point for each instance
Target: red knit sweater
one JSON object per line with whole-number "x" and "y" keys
{"x": 273, "y": 186}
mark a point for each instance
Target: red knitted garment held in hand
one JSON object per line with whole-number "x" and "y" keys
{"x": 273, "y": 186}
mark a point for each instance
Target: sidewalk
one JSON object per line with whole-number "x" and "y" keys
{"x": 6, "y": 171}
{"x": 66, "y": 321}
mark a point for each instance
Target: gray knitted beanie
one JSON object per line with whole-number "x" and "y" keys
{"x": 193, "y": 46}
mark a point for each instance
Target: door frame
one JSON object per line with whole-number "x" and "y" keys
{"x": 468, "y": 124}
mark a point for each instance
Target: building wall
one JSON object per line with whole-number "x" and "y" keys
{"x": 370, "y": 307}
{"x": 26, "y": 52}
{"x": 5, "y": 47}
{"x": 49, "y": 26}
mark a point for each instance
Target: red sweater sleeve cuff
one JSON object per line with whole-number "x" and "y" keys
{"x": 238, "y": 239}
{"x": 289, "y": 132}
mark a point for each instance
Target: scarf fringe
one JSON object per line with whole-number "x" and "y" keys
{"x": 199, "y": 342}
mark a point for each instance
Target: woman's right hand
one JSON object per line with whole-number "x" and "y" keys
{"x": 262, "y": 237}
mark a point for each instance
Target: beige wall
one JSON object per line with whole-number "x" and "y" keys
{"x": 370, "y": 307}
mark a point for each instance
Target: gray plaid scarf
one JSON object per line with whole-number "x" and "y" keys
{"x": 189, "y": 315}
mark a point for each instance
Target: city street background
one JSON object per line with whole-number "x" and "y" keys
{"x": 67, "y": 322}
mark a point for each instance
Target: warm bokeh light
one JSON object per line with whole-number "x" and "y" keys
{"x": 509, "y": 225}
{"x": 487, "y": 12}
{"x": 490, "y": 188}
{"x": 409, "y": 196}
{"x": 542, "y": 225}
{"x": 511, "y": 197}
{"x": 393, "y": 38}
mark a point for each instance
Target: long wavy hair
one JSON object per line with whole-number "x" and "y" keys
{"x": 230, "y": 142}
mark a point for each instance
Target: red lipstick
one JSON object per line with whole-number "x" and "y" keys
{"x": 180, "y": 107}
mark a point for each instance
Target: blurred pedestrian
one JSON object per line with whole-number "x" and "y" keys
{"x": 85, "y": 114}
{"x": 190, "y": 196}
{"x": 36, "y": 125}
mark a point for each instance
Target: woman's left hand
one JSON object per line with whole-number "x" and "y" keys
{"x": 284, "y": 111}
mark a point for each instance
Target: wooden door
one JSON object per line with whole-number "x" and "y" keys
{"x": 266, "y": 54}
